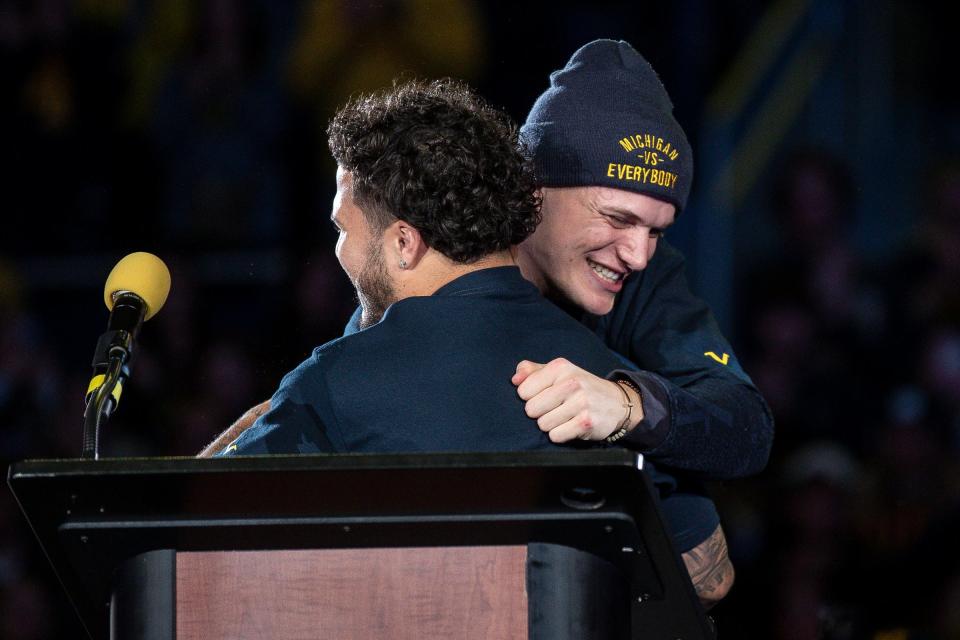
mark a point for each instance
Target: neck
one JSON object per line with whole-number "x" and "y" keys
{"x": 435, "y": 270}
{"x": 529, "y": 269}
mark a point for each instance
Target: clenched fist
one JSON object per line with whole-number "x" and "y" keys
{"x": 571, "y": 403}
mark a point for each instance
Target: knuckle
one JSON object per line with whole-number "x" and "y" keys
{"x": 585, "y": 422}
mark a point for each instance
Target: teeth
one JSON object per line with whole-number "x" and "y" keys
{"x": 605, "y": 273}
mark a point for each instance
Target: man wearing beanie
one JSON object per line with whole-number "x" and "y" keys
{"x": 616, "y": 169}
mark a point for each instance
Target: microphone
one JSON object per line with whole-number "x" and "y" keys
{"x": 135, "y": 290}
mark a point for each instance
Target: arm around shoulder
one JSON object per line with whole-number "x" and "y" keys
{"x": 709, "y": 417}
{"x": 233, "y": 432}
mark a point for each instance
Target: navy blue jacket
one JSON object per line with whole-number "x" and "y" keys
{"x": 434, "y": 375}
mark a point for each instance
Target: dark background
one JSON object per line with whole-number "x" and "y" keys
{"x": 824, "y": 229}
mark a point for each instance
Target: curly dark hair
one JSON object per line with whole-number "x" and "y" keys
{"x": 437, "y": 156}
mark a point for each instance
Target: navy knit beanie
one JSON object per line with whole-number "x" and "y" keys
{"x": 606, "y": 120}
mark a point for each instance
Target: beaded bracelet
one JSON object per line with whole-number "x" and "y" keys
{"x": 624, "y": 427}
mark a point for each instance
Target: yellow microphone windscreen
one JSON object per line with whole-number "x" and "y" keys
{"x": 142, "y": 274}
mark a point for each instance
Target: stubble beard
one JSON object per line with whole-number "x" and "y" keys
{"x": 375, "y": 290}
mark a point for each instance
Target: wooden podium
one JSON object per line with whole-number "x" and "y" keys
{"x": 544, "y": 545}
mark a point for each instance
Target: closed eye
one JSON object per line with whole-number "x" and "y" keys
{"x": 618, "y": 222}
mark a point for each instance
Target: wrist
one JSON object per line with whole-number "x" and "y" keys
{"x": 636, "y": 398}
{"x": 633, "y": 407}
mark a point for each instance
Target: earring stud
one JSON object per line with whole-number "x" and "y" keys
{"x": 403, "y": 263}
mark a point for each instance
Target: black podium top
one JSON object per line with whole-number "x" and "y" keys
{"x": 92, "y": 515}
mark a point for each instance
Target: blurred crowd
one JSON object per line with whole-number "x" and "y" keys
{"x": 850, "y": 532}
{"x": 196, "y": 130}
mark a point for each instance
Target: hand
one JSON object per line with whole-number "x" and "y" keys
{"x": 570, "y": 403}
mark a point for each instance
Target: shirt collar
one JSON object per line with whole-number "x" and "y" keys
{"x": 497, "y": 279}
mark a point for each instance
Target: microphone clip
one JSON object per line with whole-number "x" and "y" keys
{"x": 113, "y": 344}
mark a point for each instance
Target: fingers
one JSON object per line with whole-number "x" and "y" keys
{"x": 540, "y": 376}
{"x": 568, "y": 402}
{"x": 551, "y": 398}
{"x": 566, "y": 423}
{"x": 524, "y": 369}
{"x": 556, "y": 399}
{"x": 578, "y": 427}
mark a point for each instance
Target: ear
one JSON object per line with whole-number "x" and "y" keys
{"x": 404, "y": 244}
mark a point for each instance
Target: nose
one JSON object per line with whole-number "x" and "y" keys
{"x": 634, "y": 248}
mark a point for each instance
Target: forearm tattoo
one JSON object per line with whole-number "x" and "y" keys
{"x": 710, "y": 568}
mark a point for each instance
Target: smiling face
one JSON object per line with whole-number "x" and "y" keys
{"x": 590, "y": 240}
